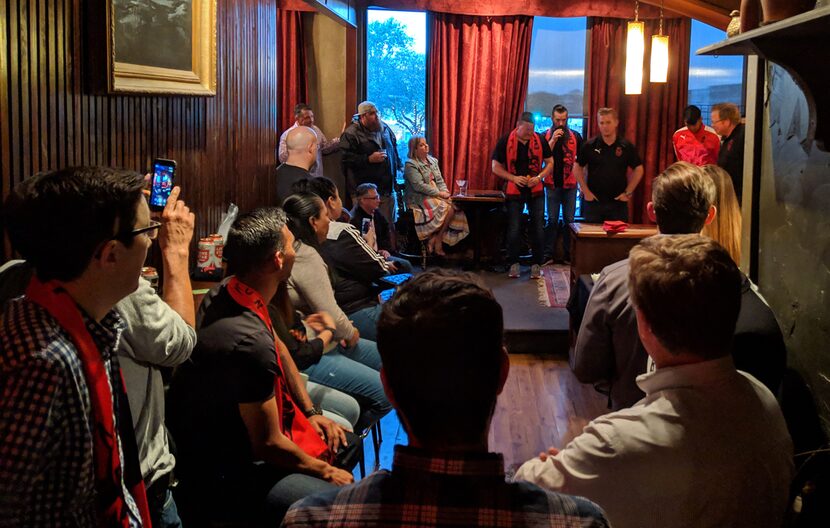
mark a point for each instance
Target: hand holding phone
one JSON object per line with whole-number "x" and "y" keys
{"x": 164, "y": 171}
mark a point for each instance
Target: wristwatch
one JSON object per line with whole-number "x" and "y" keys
{"x": 314, "y": 411}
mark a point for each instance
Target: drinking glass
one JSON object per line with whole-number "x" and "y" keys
{"x": 461, "y": 186}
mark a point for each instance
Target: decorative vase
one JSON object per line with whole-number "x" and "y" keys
{"x": 750, "y": 14}
{"x": 775, "y": 10}
{"x": 734, "y": 27}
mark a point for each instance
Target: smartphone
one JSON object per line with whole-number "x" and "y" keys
{"x": 367, "y": 223}
{"x": 163, "y": 172}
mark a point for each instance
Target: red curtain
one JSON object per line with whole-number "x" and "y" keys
{"x": 477, "y": 73}
{"x": 649, "y": 119}
{"x": 292, "y": 85}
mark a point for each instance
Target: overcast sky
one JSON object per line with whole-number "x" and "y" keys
{"x": 557, "y": 55}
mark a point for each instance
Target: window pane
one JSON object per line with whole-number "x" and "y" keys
{"x": 396, "y": 71}
{"x": 557, "y": 74}
{"x": 557, "y": 69}
{"x": 713, "y": 80}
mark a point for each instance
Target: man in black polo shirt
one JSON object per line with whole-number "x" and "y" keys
{"x": 726, "y": 120}
{"x": 608, "y": 158}
{"x": 523, "y": 159}
{"x": 250, "y": 440}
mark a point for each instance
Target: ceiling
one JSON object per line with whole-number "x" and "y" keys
{"x": 714, "y": 12}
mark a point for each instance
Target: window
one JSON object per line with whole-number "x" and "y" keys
{"x": 712, "y": 79}
{"x": 557, "y": 70}
{"x": 557, "y": 73}
{"x": 396, "y": 71}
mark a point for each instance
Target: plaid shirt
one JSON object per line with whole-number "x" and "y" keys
{"x": 428, "y": 490}
{"x": 46, "y": 449}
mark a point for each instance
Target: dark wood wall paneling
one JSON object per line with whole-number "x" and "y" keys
{"x": 224, "y": 145}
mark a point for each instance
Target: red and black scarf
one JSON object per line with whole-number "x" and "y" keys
{"x": 535, "y": 155}
{"x": 294, "y": 423}
{"x": 112, "y": 505}
{"x": 568, "y": 160}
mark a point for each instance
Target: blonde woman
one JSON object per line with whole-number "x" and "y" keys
{"x": 725, "y": 229}
{"x": 427, "y": 195}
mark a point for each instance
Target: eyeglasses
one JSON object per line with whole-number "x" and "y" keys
{"x": 370, "y": 198}
{"x": 151, "y": 230}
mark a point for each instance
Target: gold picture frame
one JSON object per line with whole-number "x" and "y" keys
{"x": 161, "y": 47}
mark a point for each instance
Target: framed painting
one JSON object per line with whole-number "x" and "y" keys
{"x": 161, "y": 46}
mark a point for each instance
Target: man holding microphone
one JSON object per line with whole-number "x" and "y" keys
{"x": 560, "y": 186}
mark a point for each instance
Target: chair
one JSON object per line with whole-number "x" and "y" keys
{"x": 377, "y": 440}
{"x": 409, "y": 246}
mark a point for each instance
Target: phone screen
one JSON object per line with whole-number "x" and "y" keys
{"x": 163, "y": 171}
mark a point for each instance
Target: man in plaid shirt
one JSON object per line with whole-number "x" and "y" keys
{"x": 444, "y": 365}
{"x": 67, "y": 446}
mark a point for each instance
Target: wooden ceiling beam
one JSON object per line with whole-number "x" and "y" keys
{"x": 711, "y": 14}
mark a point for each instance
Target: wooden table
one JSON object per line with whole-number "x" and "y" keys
{"x": 592, "y": 248}
{"x": 477, "y": 199}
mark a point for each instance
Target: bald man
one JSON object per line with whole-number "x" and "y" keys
{"x": 301, "y": 144}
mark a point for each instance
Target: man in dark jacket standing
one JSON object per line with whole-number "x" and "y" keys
{"x": 370, "y": 155}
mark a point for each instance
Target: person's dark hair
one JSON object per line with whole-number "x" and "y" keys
{"x": 58, "y": 220}
{"x": 300, "y": 208}
{"x": 440, "y": 338}
{"x": 689, "y": 290}
{"x": 526, "y": 117}
{"x": 321, "y": 186}
{"x": 691, "y": 115}
{"x": 682, "y": 195}
{"x": 299, "y": 107}
{"x": 364, "y": 188}
{"x": 559, "y": 109}
{"x": 253, "y": 239}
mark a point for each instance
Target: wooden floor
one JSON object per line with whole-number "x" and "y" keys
{"x": 542, "y": 405}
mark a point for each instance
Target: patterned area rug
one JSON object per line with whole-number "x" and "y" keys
{"x": 554, "y": 286}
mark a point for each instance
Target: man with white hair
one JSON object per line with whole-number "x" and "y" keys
{"x": 301, "y": 145}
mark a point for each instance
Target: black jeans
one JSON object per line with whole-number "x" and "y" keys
{"x": 597, "y": 212}
{"x": 536, "y": 207}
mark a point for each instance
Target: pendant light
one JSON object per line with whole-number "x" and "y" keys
{"x": 659, "y": 54}
{"x": 634, "y": 53}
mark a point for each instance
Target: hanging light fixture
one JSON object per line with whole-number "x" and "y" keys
{"x": 660, "y": 54}
{"x": 634, "y": 52}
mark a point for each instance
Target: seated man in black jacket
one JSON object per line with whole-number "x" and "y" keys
{"x": 608, "y": 350}
{"x": 354, "y": 265}
{"x": 373, "y": 226}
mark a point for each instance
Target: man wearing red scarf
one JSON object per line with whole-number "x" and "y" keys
{"x": 523, "y": 159}
{"x": 250, "y": 441}
{"x": 68, "y": 454}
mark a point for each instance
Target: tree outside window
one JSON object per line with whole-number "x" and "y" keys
{"x": 396, "y": 71}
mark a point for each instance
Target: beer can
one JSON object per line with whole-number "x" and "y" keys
{"x": 204, "y": 261}
{"x": 151, "y": 275}
{"x": 218, "y": 249}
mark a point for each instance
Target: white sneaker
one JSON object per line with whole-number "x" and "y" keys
{"x": 535, "y": 272}
{"x": 515, "y": 271}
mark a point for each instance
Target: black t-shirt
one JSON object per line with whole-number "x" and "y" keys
{"x": 234, "y": 362}
{"x": 286, "y": 176}
{"x": 558, "y": 153}
{"x": 731, "y": 158}
{"x": 607, "y": 166}
{"x": 522, "y": 157}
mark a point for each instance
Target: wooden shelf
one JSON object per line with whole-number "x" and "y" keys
{"x": 801, "y": 45}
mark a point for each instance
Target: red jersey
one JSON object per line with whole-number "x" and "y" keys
{"x": 699, "y": 148}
